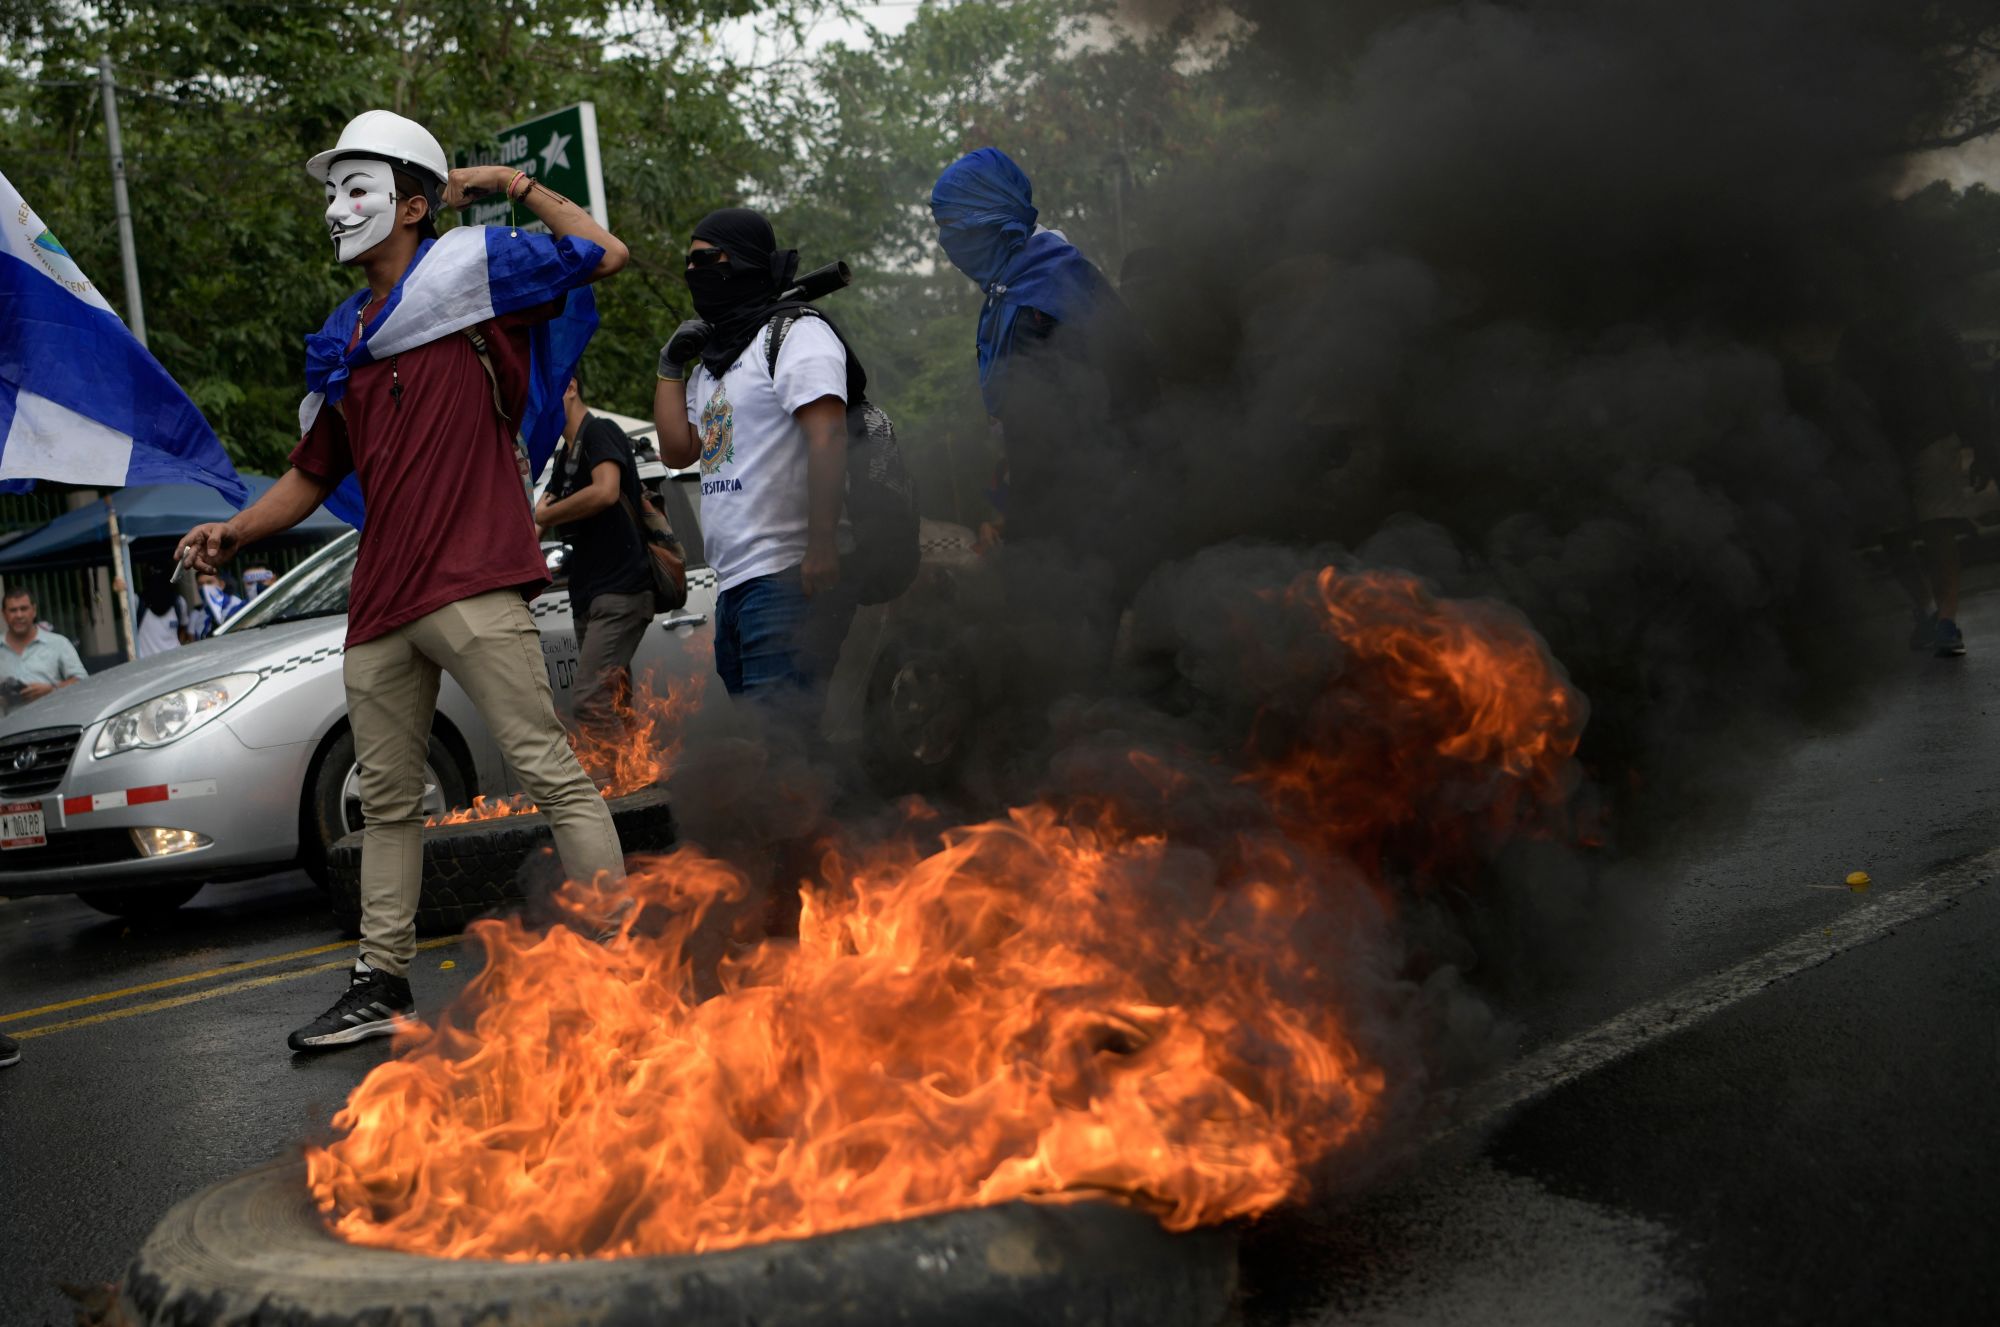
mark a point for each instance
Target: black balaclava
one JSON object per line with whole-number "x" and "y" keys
{"x": 737, "y": 298}
{"x": 158, "y": 594}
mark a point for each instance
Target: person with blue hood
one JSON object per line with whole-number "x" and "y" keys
{"x": 1062, "y": 365}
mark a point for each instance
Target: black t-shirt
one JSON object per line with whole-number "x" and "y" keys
{"x": 605, "y": 553}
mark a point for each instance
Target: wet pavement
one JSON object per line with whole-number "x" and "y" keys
{"x": 122, "y": 1106}
{"x": 1820, "y": 1151}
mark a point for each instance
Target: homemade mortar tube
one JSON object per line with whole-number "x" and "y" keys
{"x": 254, "y": 1249}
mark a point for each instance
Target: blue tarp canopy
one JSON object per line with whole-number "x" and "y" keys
{"x": 152, "y": 514}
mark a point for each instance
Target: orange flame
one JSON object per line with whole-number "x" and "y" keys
{"x": 1068, "y": 999}
{"x": 620, "y": 763}
{"x": 1448, "y": 730}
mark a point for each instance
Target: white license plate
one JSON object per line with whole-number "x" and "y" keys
{"x": 559, "y": 655}
{"x": 21, "y": 825}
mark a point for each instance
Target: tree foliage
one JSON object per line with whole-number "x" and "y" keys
{"x": 1101, "y": 101}
{"x": 221, "y": 103}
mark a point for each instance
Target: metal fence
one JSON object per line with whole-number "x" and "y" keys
{"x": 66, "y": 599}
{"x": 29, "y": 511}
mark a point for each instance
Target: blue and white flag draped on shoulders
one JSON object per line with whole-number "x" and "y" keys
{"x": 465, "y": 277}
{"x": 81, "y": 401}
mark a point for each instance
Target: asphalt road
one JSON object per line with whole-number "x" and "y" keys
{"x": 1820, "y": 1148}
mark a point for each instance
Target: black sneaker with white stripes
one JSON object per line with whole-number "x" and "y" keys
{"x": 376, "y": 1004}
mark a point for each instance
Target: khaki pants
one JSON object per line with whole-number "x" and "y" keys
{"x": 490, "y": 647}
{"x": 608, "y": 634}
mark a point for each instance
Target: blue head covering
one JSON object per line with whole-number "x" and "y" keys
{"x": 985, "y": 212}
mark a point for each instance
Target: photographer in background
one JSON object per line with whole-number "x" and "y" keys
{"x": 593, "y": 501}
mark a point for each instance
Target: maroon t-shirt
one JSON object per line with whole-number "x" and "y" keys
{"x": 447, "y": 516}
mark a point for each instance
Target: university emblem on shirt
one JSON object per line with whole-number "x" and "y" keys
{"x": 718, "y": 431}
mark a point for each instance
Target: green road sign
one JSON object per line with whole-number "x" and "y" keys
{"x": 559, "y": 149}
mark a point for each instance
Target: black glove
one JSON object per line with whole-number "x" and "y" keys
{"x": 686, "y": 342}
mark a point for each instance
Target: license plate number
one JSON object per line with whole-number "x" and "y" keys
{"x": 21, "y": 826}
{"x": 559, "y": 655}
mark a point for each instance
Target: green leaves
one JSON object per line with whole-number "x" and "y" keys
{"x": 221, "y": 103}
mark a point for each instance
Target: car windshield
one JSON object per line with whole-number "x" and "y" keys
{"x": 316, "y": 587}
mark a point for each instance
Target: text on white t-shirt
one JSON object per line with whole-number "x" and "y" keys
{"x": 753, "y": 450}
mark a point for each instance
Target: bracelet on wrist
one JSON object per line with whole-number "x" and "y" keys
{"x": 515, "y": 191}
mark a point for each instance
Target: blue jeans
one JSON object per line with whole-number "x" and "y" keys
{"x": 773, "y": 642}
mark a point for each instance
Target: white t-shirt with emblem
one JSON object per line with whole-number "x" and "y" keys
{"x": 753, "y": 451}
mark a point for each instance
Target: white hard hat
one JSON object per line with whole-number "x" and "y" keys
{"x": 386, "y": 135}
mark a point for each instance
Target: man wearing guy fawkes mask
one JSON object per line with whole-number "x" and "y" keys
{"x": 772, "y": 443}
{"x": 416, "y": 382}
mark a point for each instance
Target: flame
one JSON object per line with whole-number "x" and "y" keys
{"x": 1448, "y": 730}
{"x": 1073, "y": 998}
{"x": 620, "y": 763}
{"x": 484, "y": 808}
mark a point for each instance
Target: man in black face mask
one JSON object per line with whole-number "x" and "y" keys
{"x": 772, "y": 442}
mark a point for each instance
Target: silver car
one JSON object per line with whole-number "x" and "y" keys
{"x": 232, "y": 757}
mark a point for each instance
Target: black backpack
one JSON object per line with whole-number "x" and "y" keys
{"x": 881, "y": 497}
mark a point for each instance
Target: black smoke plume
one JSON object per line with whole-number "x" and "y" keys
{"x": 1520, "y": 300}
{"x": 1526, "y": 299}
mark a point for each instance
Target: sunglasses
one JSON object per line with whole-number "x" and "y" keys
{"x": 705, "y": 257}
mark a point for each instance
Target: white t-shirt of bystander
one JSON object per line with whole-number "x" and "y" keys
{"x": 753, "y": 451}
{"x": 159, "y": 632}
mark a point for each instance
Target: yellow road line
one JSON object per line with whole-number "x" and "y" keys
{"x": 175, "y": 1002}
{"x": 223, "y": 971}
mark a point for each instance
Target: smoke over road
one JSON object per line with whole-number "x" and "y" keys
{"x": 1509, "y": 296}
{"x": 1506, "y": 297}
{"x": 1520, "y": 298}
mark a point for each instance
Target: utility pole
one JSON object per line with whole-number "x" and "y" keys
{"x": 1119, "y": 172}
{"x": 121, "y": 561}
{"x": 134, "y": 307}
{"x": 115, "y": 587}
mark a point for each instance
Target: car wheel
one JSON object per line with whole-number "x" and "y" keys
{"x": 475, "y": 868}
{"x": 141, "y": 901}
{"x": 254, "y": 1249}
{"x": 918, "y": 716}
{"x": 333, "y": 806}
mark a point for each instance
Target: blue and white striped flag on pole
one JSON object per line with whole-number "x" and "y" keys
{"x": 81, "y": 401}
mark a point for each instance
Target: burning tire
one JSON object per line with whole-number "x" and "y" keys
{"x": 253, "y": 1249}
{"x": 474, "y": 868}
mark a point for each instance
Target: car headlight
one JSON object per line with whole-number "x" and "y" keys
{"x": 171, "y": 717}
